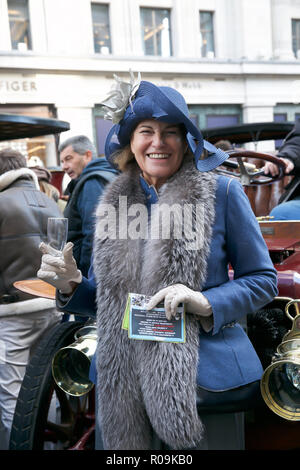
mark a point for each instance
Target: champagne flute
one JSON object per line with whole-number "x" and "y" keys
{"x": 57, "y": 232}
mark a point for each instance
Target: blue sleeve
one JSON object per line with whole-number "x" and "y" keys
{"x": 255, "y": 278}
{"x": 87, "y": 202}
{"x": 83, "y": 299}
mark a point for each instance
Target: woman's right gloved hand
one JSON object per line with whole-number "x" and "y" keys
{"x": 59, "y": 268}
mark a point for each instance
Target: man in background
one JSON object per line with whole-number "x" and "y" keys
{"x": 289, "y": 204}
{"x": 89, "y": 175}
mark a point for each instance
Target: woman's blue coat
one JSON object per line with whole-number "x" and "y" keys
{"x": 226, "y": 357}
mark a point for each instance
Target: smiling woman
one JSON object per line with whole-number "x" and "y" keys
{"x": 147, "y": 388}
{"x": 158, "y": 148}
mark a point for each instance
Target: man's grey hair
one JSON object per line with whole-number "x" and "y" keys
{"x": 80, "y": 144}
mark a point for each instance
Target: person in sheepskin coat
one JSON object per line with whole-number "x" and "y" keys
{"x": 24, "y": 211}
{"x": 148, "y": 389}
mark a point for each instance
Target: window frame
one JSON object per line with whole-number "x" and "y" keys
{"x": 108, "y": 7}
{"x": 29, "y": 46}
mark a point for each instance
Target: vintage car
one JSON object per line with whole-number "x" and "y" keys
{"x": 56, "y": 407}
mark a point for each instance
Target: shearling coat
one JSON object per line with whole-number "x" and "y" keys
{"x": 145, "y": 384}
{"x": 24, "y": 211}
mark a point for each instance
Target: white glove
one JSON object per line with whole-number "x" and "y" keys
{"x": 195, "y": 302}
{"x": 59, "y": 268}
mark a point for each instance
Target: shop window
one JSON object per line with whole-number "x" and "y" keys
{"x": 221, "y": 120}
{"x": 103, "y": 127}
{"x": 280, "y": 117}
{"x": 207, "y": 34}
{"x": 19, "y": 24}
{"x": 42, "y": 148}
{"x": 296, "y": 37}
{"x": 101, "y": 28}
{"x": 156, "y": 31}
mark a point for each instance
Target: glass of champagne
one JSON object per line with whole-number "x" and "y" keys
{"x": 57, "y": 232}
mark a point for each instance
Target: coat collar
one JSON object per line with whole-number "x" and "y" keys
{"x": 9, "y": 177}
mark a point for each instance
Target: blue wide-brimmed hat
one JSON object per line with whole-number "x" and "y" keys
{"x": 145, "y": 100}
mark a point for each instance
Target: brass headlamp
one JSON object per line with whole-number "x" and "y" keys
{"x": 71, "y": 364}
{"x": 280, "y": 383}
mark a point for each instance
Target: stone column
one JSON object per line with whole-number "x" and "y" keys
{"x": 282, "y": 30}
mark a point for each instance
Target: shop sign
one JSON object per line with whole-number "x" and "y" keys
{"x": 178, "y": 84}
{"x": 13, "y": 86}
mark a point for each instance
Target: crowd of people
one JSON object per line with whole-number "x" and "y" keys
{"x": 27, "y": 200}
{"x": 24, "y": 214}
{"x": 145, "y": 389}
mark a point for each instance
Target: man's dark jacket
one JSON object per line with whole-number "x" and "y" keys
{"x": 291, "y": 149}
{"x": 84, "y": 193}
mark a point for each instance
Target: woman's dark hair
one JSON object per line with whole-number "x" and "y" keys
{"x": 11, "y": 160}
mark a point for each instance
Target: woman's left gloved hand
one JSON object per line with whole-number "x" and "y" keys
{"x": 173, "y": 295}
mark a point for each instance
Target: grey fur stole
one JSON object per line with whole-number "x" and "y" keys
{"x": 145, "y": 385}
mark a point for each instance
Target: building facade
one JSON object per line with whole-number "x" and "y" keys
{"x": 235, "y": 61}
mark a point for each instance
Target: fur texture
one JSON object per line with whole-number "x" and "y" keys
{"x": 7, "y": 178}
{"x": 145, "y": 385}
